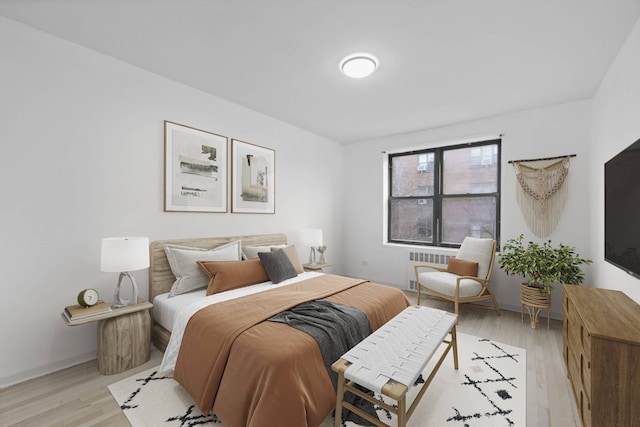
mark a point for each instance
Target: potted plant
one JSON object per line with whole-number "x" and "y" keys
{"x": 322, "y": 250}
{"x": 544, "y": 265}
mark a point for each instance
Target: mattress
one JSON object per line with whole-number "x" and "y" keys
{"x": 165, "y": 309}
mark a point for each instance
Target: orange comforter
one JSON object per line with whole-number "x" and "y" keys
{"x": 261, "y": 374}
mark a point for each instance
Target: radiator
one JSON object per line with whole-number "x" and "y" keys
{"x": 424, "y": 256}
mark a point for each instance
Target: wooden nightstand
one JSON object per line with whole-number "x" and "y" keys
{"x": 315, "y": 267}
{"x": 124, "y": 337}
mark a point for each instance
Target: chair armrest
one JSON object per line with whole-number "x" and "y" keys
{"x": 432, "y": 267}
{"x": 477, "y": 279}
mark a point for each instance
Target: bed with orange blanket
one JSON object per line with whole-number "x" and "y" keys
{"x": 256, "y": 373}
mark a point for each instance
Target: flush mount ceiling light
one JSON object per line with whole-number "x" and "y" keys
{"x": 358, "y": 65}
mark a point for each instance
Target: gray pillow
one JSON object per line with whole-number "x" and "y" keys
{"x": 277, "y": 265}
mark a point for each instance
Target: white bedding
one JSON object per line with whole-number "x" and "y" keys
{"x": 165, "y": 309}
{"x": 179, "y": 312}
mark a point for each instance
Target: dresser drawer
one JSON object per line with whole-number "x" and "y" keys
{"x": 574, "y": 338}
{"x": 573, "y": 369}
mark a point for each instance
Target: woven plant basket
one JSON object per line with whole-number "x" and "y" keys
{"x": 535, "y": 301}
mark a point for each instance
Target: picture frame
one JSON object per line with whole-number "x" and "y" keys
{"x": 253, "y": 185}
{"x": 195, "y": 171}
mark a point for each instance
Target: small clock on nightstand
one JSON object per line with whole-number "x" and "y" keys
{"x": 88, "y": 297}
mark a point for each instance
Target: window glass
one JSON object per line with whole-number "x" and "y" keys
{"x": 484, "y": 156}
{"x": 468, "y": 216}
{"x": 407, "y": 176}
{"x": 462, "y": 176}
{"x": 414, "y": 219}
{"x": 425, "y": 162}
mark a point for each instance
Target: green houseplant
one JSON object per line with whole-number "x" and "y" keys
{"x": 544, "y": 264}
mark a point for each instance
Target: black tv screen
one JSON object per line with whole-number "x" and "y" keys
{"x": 622, "y": 210}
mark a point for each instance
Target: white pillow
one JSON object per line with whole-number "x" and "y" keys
{"x": 252, "y": 251}
{"x": 189, "y": 276}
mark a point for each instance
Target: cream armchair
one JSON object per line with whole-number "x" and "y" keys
{"x": 465, "y": 280}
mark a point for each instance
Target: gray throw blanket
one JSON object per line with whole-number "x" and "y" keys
{"x": 336, "y": 328}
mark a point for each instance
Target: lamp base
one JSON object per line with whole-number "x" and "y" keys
{"x": 117, "y": 298}
{"x": 312, "y": 256}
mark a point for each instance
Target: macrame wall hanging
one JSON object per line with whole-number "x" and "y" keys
{"x": 542, "y": 191}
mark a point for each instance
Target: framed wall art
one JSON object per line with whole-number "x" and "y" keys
{"x": 195, "y": 169}
{"x": 253, "y": 184}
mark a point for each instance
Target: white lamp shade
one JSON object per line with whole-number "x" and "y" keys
{"x": 124, "y": 254}
{"x": 312, "y": 237}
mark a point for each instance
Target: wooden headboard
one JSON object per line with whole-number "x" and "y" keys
{"x": 160, "y": 276}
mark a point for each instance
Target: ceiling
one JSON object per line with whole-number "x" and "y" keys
{"x": 441, "y": 61}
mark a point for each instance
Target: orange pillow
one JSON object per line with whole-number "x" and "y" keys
{"x": 292, "y": 253}
{"x": 462, "y": 267}
{"x": 227, "y": 275}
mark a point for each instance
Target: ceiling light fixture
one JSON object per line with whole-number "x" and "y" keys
{"x": 358, "y": 65}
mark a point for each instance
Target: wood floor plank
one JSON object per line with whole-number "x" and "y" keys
{"x": 78, "y": 396}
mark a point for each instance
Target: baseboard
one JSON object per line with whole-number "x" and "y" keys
{"x": 45, "y": 370}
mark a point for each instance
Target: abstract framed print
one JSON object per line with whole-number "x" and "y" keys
{"x": 253, "y": 184}
{"x": 195, "y": 169}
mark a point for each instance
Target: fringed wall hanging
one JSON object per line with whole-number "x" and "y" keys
{"x": 542, "y": 191}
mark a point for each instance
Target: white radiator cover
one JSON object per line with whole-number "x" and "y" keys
{"x": 430, "y": 256}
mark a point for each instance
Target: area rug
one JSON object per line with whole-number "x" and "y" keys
{"x": 488, "y": 389}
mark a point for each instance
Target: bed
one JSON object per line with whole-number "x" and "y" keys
{"x": 248, "y": 371}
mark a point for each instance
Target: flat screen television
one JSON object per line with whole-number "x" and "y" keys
{"x": 622, "y": 210}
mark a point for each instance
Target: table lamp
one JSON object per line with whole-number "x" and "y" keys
{"x": 124, "y": 255}
{"x": 312, "y": 237}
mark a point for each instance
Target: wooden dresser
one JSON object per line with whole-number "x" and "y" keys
{"x": 602, "y": 355}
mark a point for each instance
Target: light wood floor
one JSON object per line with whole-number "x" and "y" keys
{"x": 78, "y": 396}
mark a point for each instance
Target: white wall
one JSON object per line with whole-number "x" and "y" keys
{"x": 81, "y": 146}
{"x": 616, "y": 124}
{"x": 550, "y": 131}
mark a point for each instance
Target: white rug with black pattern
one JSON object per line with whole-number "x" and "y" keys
{"x": 488, "y": 389}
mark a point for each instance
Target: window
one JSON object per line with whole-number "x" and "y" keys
{"x": 425, "y": 162}
{"x": 425, "y": 190}
{"x": 484, "y": 156}
{"x": 438, "y": 196}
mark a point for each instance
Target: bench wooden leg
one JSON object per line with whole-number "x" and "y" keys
{"x": 402, "y": 411}
{"x": 454, "y": 344}
{"x": 339, "y": 397}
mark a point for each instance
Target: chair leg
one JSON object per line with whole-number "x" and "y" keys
{"x": 418, "y": 289}
{"x": 495, "y": 304}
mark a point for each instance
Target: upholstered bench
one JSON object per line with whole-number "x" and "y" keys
{"x": 390, "y": 360}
